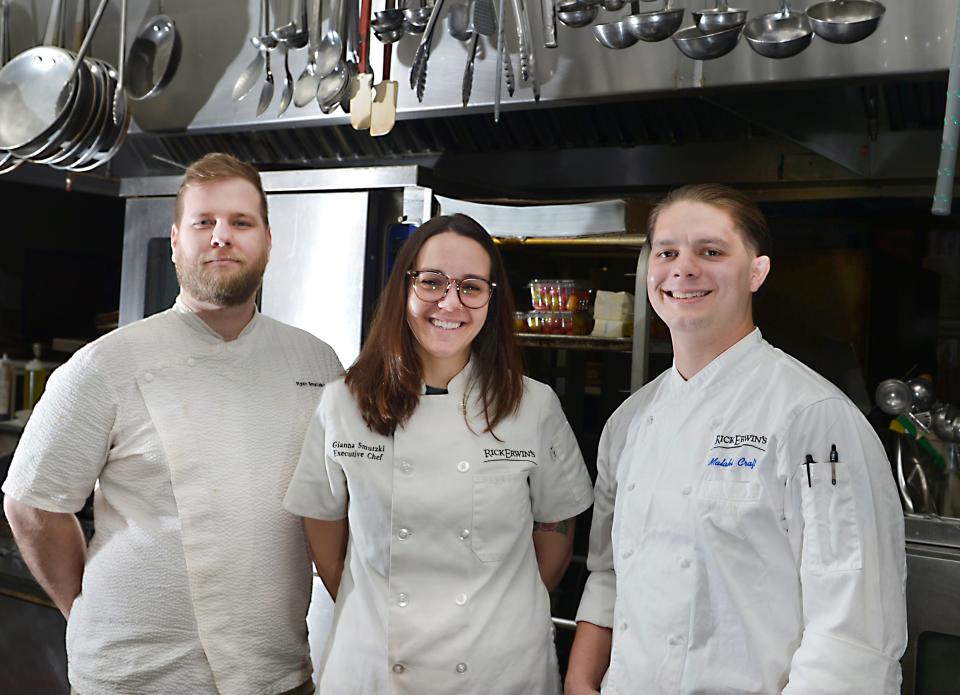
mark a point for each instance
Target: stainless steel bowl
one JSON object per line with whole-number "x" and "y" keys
{"x": 578, "y": 18}
{"x": 699, "y": 45}
{"x": 845, "y": 21}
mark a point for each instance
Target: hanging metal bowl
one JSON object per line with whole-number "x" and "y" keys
{"x": 845, "y": 21}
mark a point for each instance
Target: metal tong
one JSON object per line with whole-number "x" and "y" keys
{"x": 418, "y": 71}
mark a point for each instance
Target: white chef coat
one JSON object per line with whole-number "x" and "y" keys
{"x": 441, "y": 593}
{"x": 197, "y": 580}
{"x": 718, "y": 568}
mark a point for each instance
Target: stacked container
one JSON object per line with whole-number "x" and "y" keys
{"x": 560, "y": 307}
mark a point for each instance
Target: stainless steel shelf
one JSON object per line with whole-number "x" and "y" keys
{"x": 588, "y": 342}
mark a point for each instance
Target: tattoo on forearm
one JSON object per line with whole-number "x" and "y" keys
{"x": 557, "y": 526}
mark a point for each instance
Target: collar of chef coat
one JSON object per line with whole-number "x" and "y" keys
{"x": 460, "y": 385}
{"x": 724, "y": 366}
{"x": 197, "y": 324}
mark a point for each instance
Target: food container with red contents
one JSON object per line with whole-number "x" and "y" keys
{"x": 560, "y": 295}
{"x": 557, "y": 322}
{"x": 534, "y": 322}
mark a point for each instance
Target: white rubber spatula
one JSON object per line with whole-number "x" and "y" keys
{"x": 384, "y": 99}
{"x": 362, "y": 90}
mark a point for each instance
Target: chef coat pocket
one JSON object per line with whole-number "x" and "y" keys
{"x": 831, "y": 536}
{"x": 501, "y": 509}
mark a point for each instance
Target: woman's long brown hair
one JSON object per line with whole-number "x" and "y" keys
{"x": 387, "y": 376}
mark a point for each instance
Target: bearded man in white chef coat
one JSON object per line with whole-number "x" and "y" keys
{"x": 747, "y": 536}
{"x": 188, "y": 426}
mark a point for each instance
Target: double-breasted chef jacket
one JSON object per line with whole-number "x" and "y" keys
{"x": 197, "y": 580}
{"x": 719, "y": 566}
{"x": 441, "y": 591}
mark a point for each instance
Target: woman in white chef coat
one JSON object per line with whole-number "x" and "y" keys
{"x": 439, "y": 486}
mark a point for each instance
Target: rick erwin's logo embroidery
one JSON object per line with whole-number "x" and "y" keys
{"x": 735, "y": 441}
{"x": 511, "y": 455}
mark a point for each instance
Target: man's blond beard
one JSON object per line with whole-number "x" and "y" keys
{"x": 231, "y": 289}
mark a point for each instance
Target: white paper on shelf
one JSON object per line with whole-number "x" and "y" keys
{"x": 603, "y": 328}
{"x": 579, "y": 219}
{"x": 613, "y": 306}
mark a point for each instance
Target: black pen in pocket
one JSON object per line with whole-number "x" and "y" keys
{"x": 834, "y": 457}
{"x": 807, "y": 463}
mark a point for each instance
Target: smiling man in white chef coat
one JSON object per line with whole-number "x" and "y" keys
{"x": 188, "y": 426}
{"x": 747, "y": 536}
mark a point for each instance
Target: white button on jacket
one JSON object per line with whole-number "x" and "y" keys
{"x": 452, "y": 532}
{"x": 782, "y": 586}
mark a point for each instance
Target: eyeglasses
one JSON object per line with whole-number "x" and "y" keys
{"x": 431, "y": 286}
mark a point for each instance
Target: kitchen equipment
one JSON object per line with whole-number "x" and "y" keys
{"x": 657, "y": 25}
{"x": 335, "y": 84}
{"x": 845, "y": 21}
{"x": 613, "y": 5}
{"x": 708, "y": 45}
{"x": 503, "y": 60}
{"x": 779, "y": 34}
{"x": 266, "y": 92}
{"x": 330, "y": 49}
{"x": 418, "y": 72}
{"x": 549, "y": 10}
{"x": 154, "y": 57}
{"x": 893, "y": 397}
{"x": 387, "y": 20}
{"x": 528, "y": 58}
{"x": 415, "y": 19}
{"x": 248, "y": 78}
{"x": 383, "y": 110}
{"x": 577, "y": 14}
{"x": 34, "y": 379}
{"x": 295, "y": 33}
{"x": 615, "y": 35}
{"x": 721, "y": 17}
{"x": 286, "y": 96}
{"x": 921, "y": 394}
{"x": 458, "y": 20}
{"x": 483, "y": 22}
{"x": 305, "y": 89}
{"x": 361, "y": 89}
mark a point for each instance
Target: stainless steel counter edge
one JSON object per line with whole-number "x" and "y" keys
{"x": 932, "y": 530}
{"x": 347, "y": 179}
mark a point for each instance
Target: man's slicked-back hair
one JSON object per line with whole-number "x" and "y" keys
{"x": 218, "y": 166}
{"x": 743, "y": 211}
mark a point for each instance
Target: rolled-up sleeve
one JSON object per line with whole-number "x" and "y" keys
{"x": 65, "y": 444}
{"x": 318, "y": 489}
{"x": 600, "y": 592}
{"x": 847, "y": 533}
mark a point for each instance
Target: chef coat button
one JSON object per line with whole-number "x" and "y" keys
{"x": 399, "y": 668}
{"x": 650, "y": 418}
{"x": 405, "y": 467}
{"x": 632, "y": 486}
{"x": 461, "y": 599}
{"x": 230, "y": 348}
{"x": 623, "y": 626}
{"x": 461, "y": 667}
{"x": 627, "y": 553}
{"x": 686, "y": 490}
{"x": 684, "y": 563}
{"x": 675, "y": 641}
{"x": 148, "y": 376}
{"x": 402, "y": 600}
{"x": 403, "y": 534}
{"x": 465, "y": 534}
{"x": 463, "y": 466}
{"x": 191, "y": 362}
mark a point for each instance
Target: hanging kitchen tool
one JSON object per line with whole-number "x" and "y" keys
{"x": 293, "y": 34}
{"x": 305, "y": 90}
{"x": 383, "y": 110}
{"x": 721, "y": 17}
{"x": 845, "y": 21}
{"x": 266, "y": 91}
{"x": 415, "y": 20}
{"x": 335, "y": 84}
{"x": 576, "y": 14}
{"x": 251, "y": 74}
{"x": 503, "y": 59}
{"x": 330, "y": 49}
{"x": 657, "y": 25}
{"x": 706, "y": 45}
{"x": 528, "y": 59}
{"x": 7, "y": 161}
{"x": 154, "y": 56}
{"x": 549, "y": 10}
{"x": 483, "y": 23}
{"x": 351, "y": 54}
{"x": 418, "y": 72}
{"x": 458, "y": 20}
{"x": 780, "y": 34}
{"x": 361, "y": 89}
{"x": 615, "y": 35}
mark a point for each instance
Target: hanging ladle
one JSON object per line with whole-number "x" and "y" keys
{"x": 845, "y": 21}
{"x": 657, "y": 25}
{"x": 779, "y": 34}
{"x": 153, "y": 57}
{"x": 721, "y": 17}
